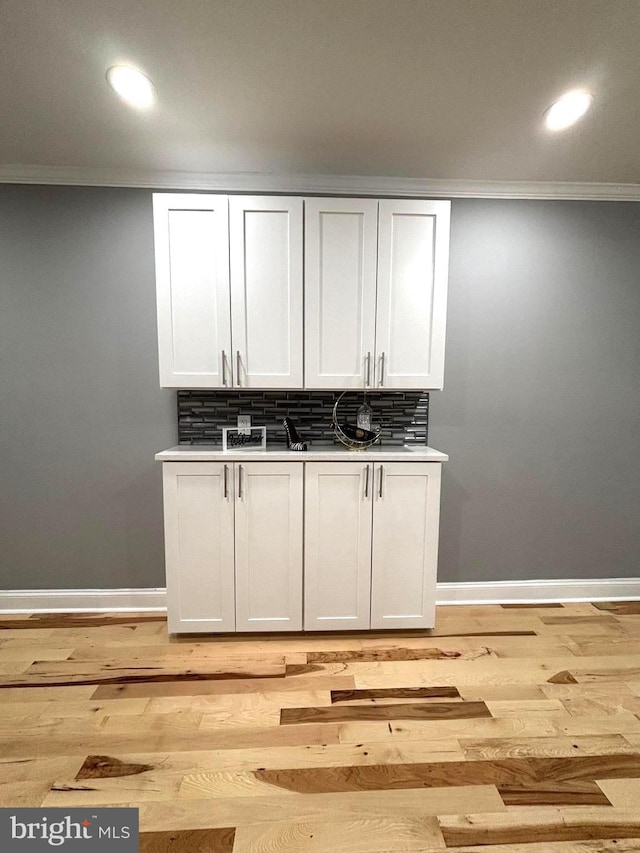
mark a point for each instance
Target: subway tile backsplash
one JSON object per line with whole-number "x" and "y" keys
{"x": 403, "y": 415}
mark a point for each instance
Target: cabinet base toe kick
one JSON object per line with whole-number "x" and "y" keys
{"x": 274, "y": 547}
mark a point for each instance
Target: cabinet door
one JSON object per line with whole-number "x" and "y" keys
{"x": 340, "y": 291}
{"x": 413, "y": 260}
{"x": 192, "y": 283}
{"x": 406, "y": 513}
{"x": 198, "y": 518}
{"x": 337, "y": 557}
{"x": 266, "y": 291}
{"x": 269, "y": 546}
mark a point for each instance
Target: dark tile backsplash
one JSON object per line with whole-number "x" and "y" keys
{"x": 403, "y": 415}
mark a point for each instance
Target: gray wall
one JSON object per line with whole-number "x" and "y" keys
{"x": 541, "y": 407}
{"x": 541, "y": 410}
{"x": 81, "y": 413}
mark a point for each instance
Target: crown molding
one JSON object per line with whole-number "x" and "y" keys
{"x": 259, "y": 182}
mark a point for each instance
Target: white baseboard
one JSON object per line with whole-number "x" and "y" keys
{"x": 81, "y": 600}
{"x": 525, "y": 592}
{"x": 488, "y": 592}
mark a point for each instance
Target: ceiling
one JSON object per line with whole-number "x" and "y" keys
{"x": 430, "y": 89}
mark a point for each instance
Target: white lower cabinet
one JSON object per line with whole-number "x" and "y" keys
{"x": 337, "y": 548}
{"x": 247, "y": 542}
{"x": 233, "y": 542}
{"x": 269, "y": 506}
{"x": 371, "y": 545}
{"x": 406, "y": 513}
{"x": 199, "y": 546}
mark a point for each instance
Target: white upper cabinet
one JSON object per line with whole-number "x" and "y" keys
{"x": 340, "y": 292}
{"x": 192, "y": 280}
{"x": 230, "y": 286}
{"x": 266, "y": 291}
{"x": 375, "y": 293}
{"x": 413, "y": 261}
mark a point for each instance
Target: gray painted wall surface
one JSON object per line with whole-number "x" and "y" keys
{"x": 81, "y": 413}
{"x": 541, "y": 410}
{"x": 541, "y": 407}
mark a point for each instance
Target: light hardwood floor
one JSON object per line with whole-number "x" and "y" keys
{"x": 512, "y": 729}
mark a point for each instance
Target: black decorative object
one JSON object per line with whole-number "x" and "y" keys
{"x": 356, "y": 433}
{"x": 294, "y": 442}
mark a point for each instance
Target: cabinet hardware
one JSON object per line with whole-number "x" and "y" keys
{"x": 368, "y": 382}
{"x": 366, "y": 482}
{"x": 382, "y": 370}
{"x": 240, "y": 481}
{"x": 226, "y": 481}
{"x": 238, "y": 367}
{"x": 380, "y": 486}
{"x": 224, "y": 368}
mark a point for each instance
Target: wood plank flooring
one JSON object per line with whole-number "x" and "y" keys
{"x": 507, "y": 729}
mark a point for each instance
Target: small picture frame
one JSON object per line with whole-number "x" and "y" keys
{"x": 234, "y": 439}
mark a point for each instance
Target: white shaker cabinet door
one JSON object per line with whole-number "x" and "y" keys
{"x": 199, "y": 544}
{"x": 406, "y": 513}
{"x": 340, "y": 291}
{"x": 337, "y": 565}
{"x": 266, "y": 291}
{"x": 269, "y": 508}
{"x": 413, "y": 261}
{"x": 192, "y": 282}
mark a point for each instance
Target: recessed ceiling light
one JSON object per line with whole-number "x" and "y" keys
{"x": 567, "y": 110}
{"x": 132, "y": 85}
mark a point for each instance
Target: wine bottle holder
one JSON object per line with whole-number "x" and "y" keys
{"x": 351, "y": 435}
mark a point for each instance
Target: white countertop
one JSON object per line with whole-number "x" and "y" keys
{"x": 214, "y": 453}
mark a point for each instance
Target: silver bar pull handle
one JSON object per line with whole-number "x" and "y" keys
{"x": 240, "y": 481}
{"x": 226, "y": 481}
{"x": 368, "y": 381}
{"x": 382, "y": 370}
{"x": 366, "y": 482}
{"x": 380, "y": 485}
{"x": 224, "y": 367}
{"x": 238, "y": 366}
